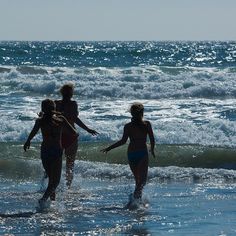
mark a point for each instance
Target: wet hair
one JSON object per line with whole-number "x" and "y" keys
{"x": 136, "y": 111}
{"x": 67, "y": 90}
{"x": 48, "y": 107}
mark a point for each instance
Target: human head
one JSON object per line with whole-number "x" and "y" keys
{"x": 48, "y": 106}
{"x": 67, "y": 91}
{"x": 136, "y": 110}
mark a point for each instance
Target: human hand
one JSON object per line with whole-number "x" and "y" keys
{"x": 26, "y": 145}
{"x": 93, "y": 132}
{"x": 105, "y": 150}
{"x": 153, "y": 153}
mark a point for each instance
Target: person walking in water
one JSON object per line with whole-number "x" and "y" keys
{"x": 51, "y": 125}
{"x": 137, "y": 131}
{"x": 69, "y": 109}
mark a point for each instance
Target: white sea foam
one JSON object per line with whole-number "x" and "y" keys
{"x": 172, "y": 173}
{"x": 18, "y": 168}
{"x": 149, "y": 82}
{"x": 195, "y": 121}
{"x": 185, "y": 105}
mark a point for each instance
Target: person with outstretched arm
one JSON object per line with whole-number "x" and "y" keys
{"x": 51, "y": 124}
{"x": 137, "y": 131}
{"x": 69, "y": 109}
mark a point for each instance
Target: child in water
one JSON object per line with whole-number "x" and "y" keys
{"x": 51, "y": 124}
{"x": 69, "y": 141}
{"x": 137, "y": 131}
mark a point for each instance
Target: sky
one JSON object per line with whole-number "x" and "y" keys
{"x": 95, "y": 20}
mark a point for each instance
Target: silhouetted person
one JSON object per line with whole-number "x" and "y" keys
{"x": 69, "y": 109}
{"x": 51, "y": 125}
{"x": 137, "y": 131}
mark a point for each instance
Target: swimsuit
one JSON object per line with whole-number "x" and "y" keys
{"x": 137, "y": 156}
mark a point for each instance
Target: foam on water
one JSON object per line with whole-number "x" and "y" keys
{"x": 145, "y": 82}
{"x": 185, "y": 104}
{"x": 196, "y": 121}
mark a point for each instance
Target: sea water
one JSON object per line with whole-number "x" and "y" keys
{"x": 189, "y": 93}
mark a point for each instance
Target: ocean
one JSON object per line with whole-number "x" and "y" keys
{"x": 189, "y": 93}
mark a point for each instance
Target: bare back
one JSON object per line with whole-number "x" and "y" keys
{"x": 51, "y": 132}
{"x": 69, "y": 109}
{"x": 137, "y": 135}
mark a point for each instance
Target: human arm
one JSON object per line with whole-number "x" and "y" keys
{"x": 72, "y": 114}
{"x": 122, "y": 141}
{"x": 83, "y": 126}
{"x": 67, "y": 124}
{"x": 33, "y": 132}
{"x": 151, "y": 138}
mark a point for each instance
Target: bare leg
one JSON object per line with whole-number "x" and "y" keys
{"x": 70, "y": 161}
{"x": 140, "y": 174}
{"x": 54, "y": 176}
{"x": 70, "y": 154}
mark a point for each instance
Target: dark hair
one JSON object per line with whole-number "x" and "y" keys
{"x": 136, "y": 111}
{"x": 47, "y": 109}
{"x": 48, "y": 106}
{"x": 67, "y": 90}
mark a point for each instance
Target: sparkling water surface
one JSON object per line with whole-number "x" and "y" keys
{"x": 189, "y": 93}
{"x": 96, "y": 206}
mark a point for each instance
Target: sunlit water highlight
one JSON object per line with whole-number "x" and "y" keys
{"x": 189, "y": 93}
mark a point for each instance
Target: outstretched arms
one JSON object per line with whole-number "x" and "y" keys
{"x": 119, "y": 143}
{"x": 33, "y": 132}
{"x": 71, "y": 113}
{"x": 83, "y": 126}
{"x": 67, "y": 124}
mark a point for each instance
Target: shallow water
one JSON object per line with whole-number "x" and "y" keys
{"x": 96, "y": 206}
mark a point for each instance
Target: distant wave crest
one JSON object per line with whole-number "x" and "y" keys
{"x": 148, "y": 82}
